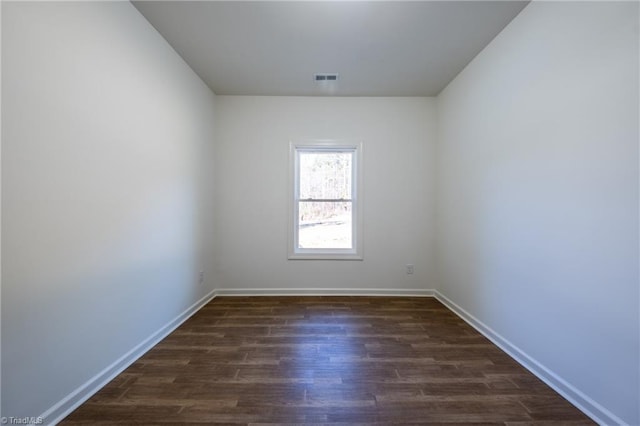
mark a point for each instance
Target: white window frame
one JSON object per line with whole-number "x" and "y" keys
{"x": 354, "y": 253}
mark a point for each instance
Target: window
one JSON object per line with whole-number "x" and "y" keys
{"x": 325, "y": 216}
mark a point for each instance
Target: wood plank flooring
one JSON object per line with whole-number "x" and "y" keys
{"x": 325, "y": 360}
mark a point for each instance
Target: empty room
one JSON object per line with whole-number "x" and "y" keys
{"x": 320, "y": 212}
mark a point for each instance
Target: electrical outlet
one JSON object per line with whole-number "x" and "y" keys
{"x": 201, "y": 277}
{"x": 409, "y": 269}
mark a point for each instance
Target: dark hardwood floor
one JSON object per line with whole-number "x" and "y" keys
{"x": 326, "y": 360}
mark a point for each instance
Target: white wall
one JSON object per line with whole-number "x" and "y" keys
{"x": 105, "y": 133}
{"x": 537, "y": 189}
{"x": 252, "y": 154}
{"x": 1, "y": 413}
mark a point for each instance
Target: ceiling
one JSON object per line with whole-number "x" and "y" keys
{"x": 378, "y": 48}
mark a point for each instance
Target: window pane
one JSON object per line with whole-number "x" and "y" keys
{"x": 325, "y": 175}
{"x": 325, "y": 225}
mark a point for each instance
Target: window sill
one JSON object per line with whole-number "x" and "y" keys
{"x": 325, "y": 256}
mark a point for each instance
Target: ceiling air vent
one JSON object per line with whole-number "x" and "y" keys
{"x": 325, "y": 77}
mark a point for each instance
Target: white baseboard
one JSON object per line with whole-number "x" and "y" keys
{"x": 324, "y": 292}
{"x": 587, "y": 405}
{"x": 72, "y": 401}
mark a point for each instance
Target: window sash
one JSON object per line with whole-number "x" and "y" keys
{"x": 355, "y": 251}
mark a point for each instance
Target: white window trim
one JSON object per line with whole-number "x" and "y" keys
{"x": 355, "y": 253}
